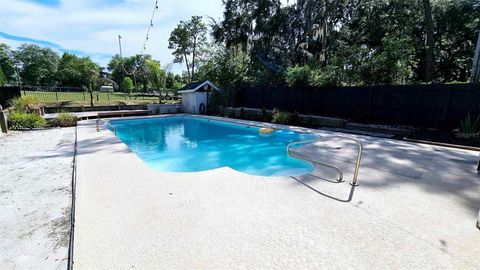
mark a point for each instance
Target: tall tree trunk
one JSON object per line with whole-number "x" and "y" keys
{"x": 193, "y": 57}
{"x": 429, "y": 44}
{"x": 90, "y": 91}
{"x": 188, "y": 66}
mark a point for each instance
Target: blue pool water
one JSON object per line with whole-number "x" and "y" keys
{"x": 189, "y": 144}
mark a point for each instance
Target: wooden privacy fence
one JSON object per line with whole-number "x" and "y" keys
{"x": 7, "y": 93}
{"x": 433, "y": 105}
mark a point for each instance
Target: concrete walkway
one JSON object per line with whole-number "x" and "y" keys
{"x": 415, "y": 208}
{"x": 35, "y": 198}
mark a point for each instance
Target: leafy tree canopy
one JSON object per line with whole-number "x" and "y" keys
{"x": 37, "y": 65}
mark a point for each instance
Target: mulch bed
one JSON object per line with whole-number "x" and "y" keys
{"x": 442, "y": 137}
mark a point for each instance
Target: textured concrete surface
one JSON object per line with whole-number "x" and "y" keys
{"x": 35, "y": 198}
{"x": 415, "y": 208}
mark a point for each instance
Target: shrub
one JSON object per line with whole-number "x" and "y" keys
{"x": 242, "y": 113}
{"x": 298, "y": 75}
{"x": 249, "y": 115}
{"x": 25, "y": 104}
{"x": 23, "y": 120}
{"x": 312, "y": 75}
{"x": 266, "y": 116}
{"x": 324, "y": 77}
{"x": 469, "y": 127}
{"x": 231, "y": 113}
{"x": 127, "y": 85}
{"x": 280, "y": 117}
{"x": 65, "y": 120}
{"x": 294, "y": 118}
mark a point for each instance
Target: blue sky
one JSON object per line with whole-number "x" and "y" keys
{"x": 91, "y": 27}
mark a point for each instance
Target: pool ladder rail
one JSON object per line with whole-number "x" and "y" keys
{"x": 340, "y": 173}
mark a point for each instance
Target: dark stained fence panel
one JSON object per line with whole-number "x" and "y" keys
{"x": 7, "y": 93}
{"x": 436, "y": 105}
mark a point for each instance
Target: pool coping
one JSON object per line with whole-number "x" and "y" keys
{"x": 232, "y": 121}
{"x": 228, "y": 120}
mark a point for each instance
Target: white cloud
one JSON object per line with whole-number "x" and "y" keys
{"x": 93, "y": 26}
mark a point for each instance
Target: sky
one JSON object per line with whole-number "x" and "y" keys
{"x": 91, "y": 27}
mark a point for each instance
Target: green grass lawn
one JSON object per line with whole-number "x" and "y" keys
{"x": 83, "y": 98}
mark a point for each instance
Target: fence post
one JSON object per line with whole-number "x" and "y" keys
{"x": 83, "y": 92}
{"x": 56, "y": 94}
{"x": 3, "y": 121}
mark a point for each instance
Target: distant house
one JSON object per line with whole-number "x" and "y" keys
{"x": 106, "y": 88}
{"x": 195, "y": 96}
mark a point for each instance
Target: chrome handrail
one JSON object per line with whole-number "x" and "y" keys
{"x": 357, "y": 164}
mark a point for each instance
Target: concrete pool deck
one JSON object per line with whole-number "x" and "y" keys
{"x": 35, "y": 198}
{"x": 416, "y": 207}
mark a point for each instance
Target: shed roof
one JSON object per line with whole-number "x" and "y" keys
{"x": 195, "y": 86}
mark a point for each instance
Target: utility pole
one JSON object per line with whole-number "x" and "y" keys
{"x": 476, "y": 63}
{"x": 121, "y": 58}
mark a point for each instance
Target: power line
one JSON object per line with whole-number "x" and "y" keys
{"x": 144, "y": 47}
{"x": 150, "y": 25}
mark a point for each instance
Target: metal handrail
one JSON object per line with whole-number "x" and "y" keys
{"x": 357, "y": 164}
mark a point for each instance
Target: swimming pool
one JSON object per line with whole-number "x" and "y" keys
{"x": 190, "y": 144}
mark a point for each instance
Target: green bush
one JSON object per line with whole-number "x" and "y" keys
{"x": 23, "y": 120}
{"x": 231, "y": 114}
{"x": 249, "y": 115}
{"x": 280, "y": 117}
{"x": 127, "y": 85}
{"x": 312, "y": 75}
{"x": 25, "y": 104}
{"x": 469, "y": 127}
{"x": 298, "y": 75}
{"x": 65, "y": 120}
{"x": 294, "y": 119}
{"x": 266, "y": 116}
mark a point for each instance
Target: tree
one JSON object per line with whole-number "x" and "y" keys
{"x": 136, "y": 68}
{"x": 38, "y": 65}
{"x": 226, "y": 68}
{"x": 352, "y": 42}
{"x": 7, "y": 68}
{"x": 430, "y": 43}
{"x": 456, "y": 30}
{"x": 156, "y": 77}
{"x": 156, "y": 74}
{"x": 89, "y": 76}
{"x": 127, "y": 85}
{"x": 116, "y": 70}
{"x": 197, "y": 31}
{"x": 185, "y": 40}
{"x": 69, "y": 70}
{"x": 179, "y": 42}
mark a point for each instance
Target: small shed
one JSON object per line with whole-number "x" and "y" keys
{"x": 195, "y": 96}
